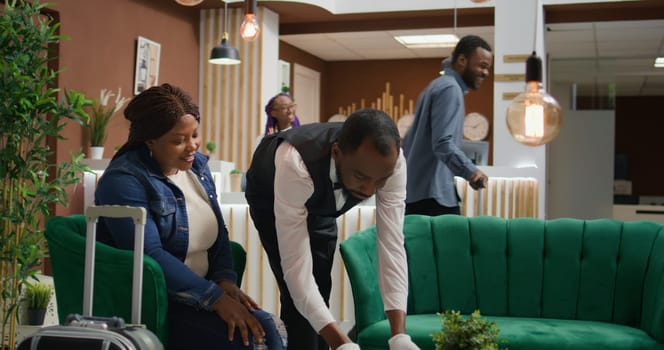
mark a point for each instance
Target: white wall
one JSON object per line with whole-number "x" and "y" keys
{"x": 580, "y": 162}
{"x": 515, "y": 19}
{"x": 270, "y": 66}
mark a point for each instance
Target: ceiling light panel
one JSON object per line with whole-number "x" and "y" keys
{"x": 428, "y": 41}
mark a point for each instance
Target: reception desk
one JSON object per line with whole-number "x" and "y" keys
{"x": 511, "y": 192}
{"x": 638, "y": 212}
{"x": 506, "y": 197}
{"x": 258, "y": 281}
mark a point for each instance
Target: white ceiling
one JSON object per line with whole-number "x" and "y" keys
{"x": 592, "y": 55}
{"x": 380, "y": 45}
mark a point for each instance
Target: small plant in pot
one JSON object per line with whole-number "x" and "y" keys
{"x": 37, "y": 297}
{"x": 236, "y": 180}
{"x": 210, "y": 147}
{"x": 472, "y": 333}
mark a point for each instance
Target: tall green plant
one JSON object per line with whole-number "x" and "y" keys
{"x": 31, "y": 116}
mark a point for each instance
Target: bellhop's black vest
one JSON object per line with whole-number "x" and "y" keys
{"x": 314, "y": 143}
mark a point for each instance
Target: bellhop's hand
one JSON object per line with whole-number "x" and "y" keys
{"x": 478, "y": 180}
{"x": 238, "y": 316}
{"x": 402, "y": 342}
{"x": 336, "y": 338}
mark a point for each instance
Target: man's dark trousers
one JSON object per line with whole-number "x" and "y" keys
{"x": 322, "y": 239}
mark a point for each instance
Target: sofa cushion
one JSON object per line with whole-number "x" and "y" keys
{"x": 522, "y": 333}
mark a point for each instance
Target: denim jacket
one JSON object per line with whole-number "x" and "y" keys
{"x": 135, "y": 179}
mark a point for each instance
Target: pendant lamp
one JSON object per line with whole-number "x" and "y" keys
{"x": 534, "y": 117}
{"x": 189, "y": 2}
{"x": 249, "y": 30}
{"x": 224, "y": 53}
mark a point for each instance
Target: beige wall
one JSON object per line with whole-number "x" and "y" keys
{"x": 101, "y": 54}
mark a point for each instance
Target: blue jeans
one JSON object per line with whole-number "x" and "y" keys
{"x": 189, "y": 328}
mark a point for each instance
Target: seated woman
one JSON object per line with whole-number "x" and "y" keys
{"x": 159, "y": 168}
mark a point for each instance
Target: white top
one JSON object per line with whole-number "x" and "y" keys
{"x": 203, "y": 226}
{"x": 292, "y": 188}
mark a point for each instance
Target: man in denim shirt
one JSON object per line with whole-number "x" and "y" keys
{"x": 432, "y": 145}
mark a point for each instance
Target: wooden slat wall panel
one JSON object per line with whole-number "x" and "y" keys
{"x": 230, "y": 95}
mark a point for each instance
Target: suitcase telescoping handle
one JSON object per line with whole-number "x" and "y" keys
{"x": 92, "y": 213}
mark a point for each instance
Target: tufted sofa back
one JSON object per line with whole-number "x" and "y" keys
{"x": 600, "y": 270}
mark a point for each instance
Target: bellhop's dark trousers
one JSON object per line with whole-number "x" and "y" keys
{"x": 323, "y": 239}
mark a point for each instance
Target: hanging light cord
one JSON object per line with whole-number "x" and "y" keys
{"x": 225, "y": 17}
{"x": 535, "y": 31}
{"x": 455, "y": 18}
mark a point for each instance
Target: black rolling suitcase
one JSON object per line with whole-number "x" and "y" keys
{"x": 85, "y": 332}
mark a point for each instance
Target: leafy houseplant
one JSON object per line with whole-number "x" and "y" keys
{"x": 101, "y": 114}
{"x": 472, "y": 333}
{"x": 31, "y": 119}
{"x": 37, "y": 297}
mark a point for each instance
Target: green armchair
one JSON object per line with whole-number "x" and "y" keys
{"x": 113, "y": 270}
{"x": 556, "y": 284}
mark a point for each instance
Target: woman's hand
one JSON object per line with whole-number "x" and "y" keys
{"x": 237, "y": 316}
{"x": 236, "y": 293}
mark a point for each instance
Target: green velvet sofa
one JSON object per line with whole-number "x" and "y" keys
{"x": 557, "y": 284}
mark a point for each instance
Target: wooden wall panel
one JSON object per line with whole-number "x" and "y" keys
{"x": 348, "y": 81}
{"x": 230, "y": 95}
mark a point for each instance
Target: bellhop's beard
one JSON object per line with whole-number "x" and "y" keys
{"x": 347, "y": 193}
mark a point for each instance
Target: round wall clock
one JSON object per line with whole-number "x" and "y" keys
{"x": 475, "y": 127}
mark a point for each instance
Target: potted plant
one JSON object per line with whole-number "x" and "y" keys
{"x": 37, "y": 297}
{"x": 236, "y": 180}
{"x": 100, "y": 116}
{"x": 32, "y": 117}
{"x": 210, "y": 146}
{"x": 472, "y": 333}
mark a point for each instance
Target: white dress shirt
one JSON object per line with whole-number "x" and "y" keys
{"x": 293, "y": 186}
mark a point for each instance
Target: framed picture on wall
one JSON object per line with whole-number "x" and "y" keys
{"x": 283, "y": 76}
{"x": 147, "y": 64}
